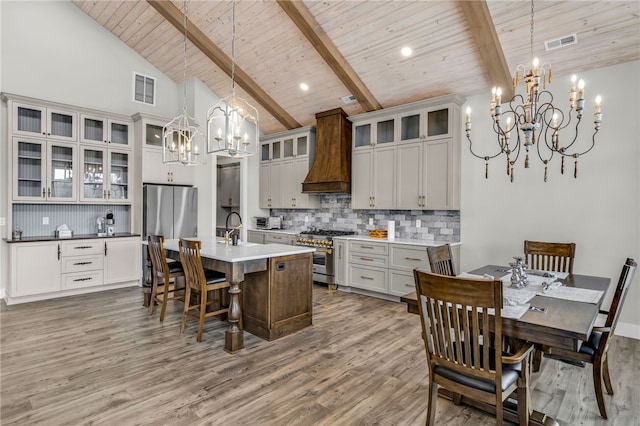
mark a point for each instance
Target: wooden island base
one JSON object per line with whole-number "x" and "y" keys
{"x": 278, "y": 301}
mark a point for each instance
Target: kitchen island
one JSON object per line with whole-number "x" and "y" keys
{"x": 277, "y": 280}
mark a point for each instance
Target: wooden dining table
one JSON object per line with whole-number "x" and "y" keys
{"x": 564, "y": 324}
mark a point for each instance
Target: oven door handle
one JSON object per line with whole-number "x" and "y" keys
{"x": 324, "y": 250}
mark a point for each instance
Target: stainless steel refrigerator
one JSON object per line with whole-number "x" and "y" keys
{"x": 171, "y": 211}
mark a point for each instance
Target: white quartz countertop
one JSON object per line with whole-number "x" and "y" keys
{"x": 421, "y": 243}
{"x": 215, "y": 248}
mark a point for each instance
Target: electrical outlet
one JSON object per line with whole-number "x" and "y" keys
{"x": 418, "y": 223}
{"x": 371, "y": 221}
{"x": 3, "y": 221}
{"x": 45, "y": 220}
{"x": 306, "y": 218}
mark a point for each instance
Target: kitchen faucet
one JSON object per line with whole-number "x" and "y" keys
{"x": 232, "y": 234}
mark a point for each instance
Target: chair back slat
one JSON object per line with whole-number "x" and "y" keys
{"x": 455, "y": 315}
{"x": 626, "y": 276}
{"x": 192, "y": 263}
{"x": 156, "y": 253}
{"x": 556, "y": 257}
{"x": 441, "y": 260}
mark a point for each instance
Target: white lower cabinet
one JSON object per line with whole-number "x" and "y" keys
{"x": 384, "y": 268}
{"x": 368, "y": 262}
{"x": 340, "y": 261}
{"x": 35, "y": 268}
{"x": 271, "y": 237}
{"x": 400, "y": 282}
{"x": 82, "y": 264}
{"x": 122, "y": 260}
{"x": 255, "y": 237}
{"x": 67, "y": 267}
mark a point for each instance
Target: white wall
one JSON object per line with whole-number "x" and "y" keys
{"x": 52, "y": 50}
{"x": 599, "y": 211}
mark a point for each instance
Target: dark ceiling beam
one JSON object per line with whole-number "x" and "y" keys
{"x": 307, "y": 24}
{"x": 484, "y": 33}
{"x": 199, "y": 39}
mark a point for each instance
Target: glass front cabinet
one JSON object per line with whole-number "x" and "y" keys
{"x": 105, "y": 175}
{"x": 43, "y": 122}
{"x": 44, "y": 170}
{"x": 102, "y": 130}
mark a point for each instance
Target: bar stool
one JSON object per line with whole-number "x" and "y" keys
{"x": 200, "y": 281}
{"x": 163, "y": 274}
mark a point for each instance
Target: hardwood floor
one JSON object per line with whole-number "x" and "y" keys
{"x": 100, "y": 359}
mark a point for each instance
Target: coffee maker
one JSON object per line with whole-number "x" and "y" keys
{"x": 110, "y": 223}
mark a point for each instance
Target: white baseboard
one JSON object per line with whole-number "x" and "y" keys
{"x": 626, "y": 329}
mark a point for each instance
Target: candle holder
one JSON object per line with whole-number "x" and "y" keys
{"x": 518, "y": 273}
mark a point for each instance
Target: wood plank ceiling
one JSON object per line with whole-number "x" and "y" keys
{"x": 342, "y": 48}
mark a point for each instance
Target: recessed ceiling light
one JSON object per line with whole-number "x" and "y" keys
{"x": 304, "y": 86}
{"x": 406, "y": 51}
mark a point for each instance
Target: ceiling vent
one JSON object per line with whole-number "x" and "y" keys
{"x": 561, "y": 42}
{"x": 348, "y": 99}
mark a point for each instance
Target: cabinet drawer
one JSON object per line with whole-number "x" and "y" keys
{"x": 82, "y": 279}
{"x": 401, "y": 283}
{"x": 82, "y": 247}
{"x": 407, "y": 257}
{"x": 274, "y": 238}
{"x": 374, "y": 279}
{"x": 367, "y": 247}
{"x": 82, "y": 263}
{"x": 368, "y": 259}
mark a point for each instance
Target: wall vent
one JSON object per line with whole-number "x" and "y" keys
{"x": 348, "y": 99}
{"x": 561, "y": 42}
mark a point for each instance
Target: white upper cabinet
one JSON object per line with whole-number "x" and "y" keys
{"x": 408, "y": 157}
{"x": 105, "y": 131}
{"x": 148, "y": 133}
{"x": 44, "y": 122}
{"x": 105, "y": 175}
{"x": 285, "y": 159}
{"x": 369, "y": 133}
{"x": 44, "y": 171}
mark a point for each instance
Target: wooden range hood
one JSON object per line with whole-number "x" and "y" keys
{"x": 331, "y": 168}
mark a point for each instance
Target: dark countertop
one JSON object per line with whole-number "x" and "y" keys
{"x": 75, "y": 237}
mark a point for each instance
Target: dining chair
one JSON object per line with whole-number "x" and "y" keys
{"x": 557, "y": 257}
{"x": 441, "y": 260}
{"x": 595, "y": 350}
{"x": 460, "y": 343}
{"x": 167, "y": 277}
{"x": 200, "y": 282}
{"x": 548, "y": 256}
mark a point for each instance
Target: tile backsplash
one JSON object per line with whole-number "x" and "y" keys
{"x": 336, "y": 213}
{"x": 81, "y": 219}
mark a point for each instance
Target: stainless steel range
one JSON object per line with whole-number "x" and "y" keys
{"x": 322, "y": 240}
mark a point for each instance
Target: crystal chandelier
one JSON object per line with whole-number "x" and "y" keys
{"x": 182, "y": 140}
{"x": 232, "y": 123}
{"x": 536, "y": 120}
